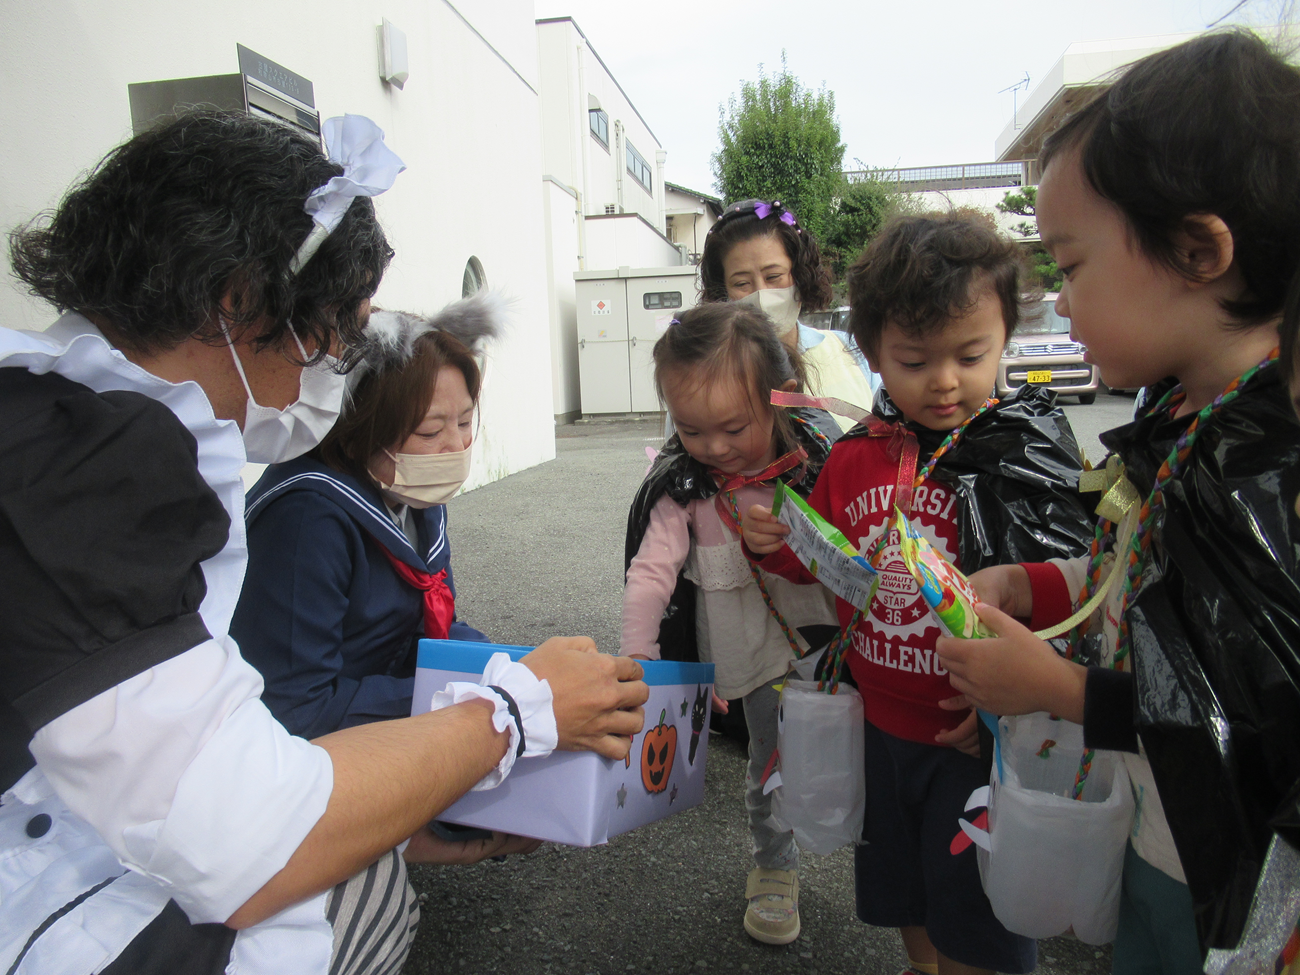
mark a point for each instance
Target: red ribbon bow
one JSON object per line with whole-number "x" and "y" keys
{"x": 439, "y": 603}
{"x": 903, "y": 447}
{"x": 734, "y": 482}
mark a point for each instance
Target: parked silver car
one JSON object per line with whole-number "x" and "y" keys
{"x": 1041, "y": 352}
{"x": 832, "y": 318}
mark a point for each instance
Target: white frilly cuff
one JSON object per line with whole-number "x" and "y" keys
{"x": 520, "y": 702}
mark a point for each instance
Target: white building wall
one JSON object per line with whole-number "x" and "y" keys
{"x": 467, "y": 125}
{"x": 562, "y": 105}
{"x": 982, "y": 198}
{"x": 562, "y": 248}
{"x": 624, "y": 241}
{"x": 689, "y": 219}
{"x": 573, "y": 81}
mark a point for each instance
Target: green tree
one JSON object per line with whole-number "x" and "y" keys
{"x": 781, "y": 141}
{"x": 862, "y": 208}
{"x": 1022, "y": 203}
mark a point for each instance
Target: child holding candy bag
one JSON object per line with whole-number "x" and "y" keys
{"x": 715, "y": 366}
{"x": 1178, "y": 233}
{"x": 933, "y": 303}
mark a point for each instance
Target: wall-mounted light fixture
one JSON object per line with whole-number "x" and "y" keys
{"x": 393, "y": 66}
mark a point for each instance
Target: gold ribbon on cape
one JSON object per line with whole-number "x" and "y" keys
{"x": 1119, "y": 504}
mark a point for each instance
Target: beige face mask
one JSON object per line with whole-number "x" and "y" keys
{"x": 422, "y": 480}
{"x": 779, "y": 304}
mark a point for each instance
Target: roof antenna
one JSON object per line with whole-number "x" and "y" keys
{"x": 1015, "y": 94}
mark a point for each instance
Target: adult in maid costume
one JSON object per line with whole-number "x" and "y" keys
{"x": 154, "y": 816}
{"x": 349, "y": 557}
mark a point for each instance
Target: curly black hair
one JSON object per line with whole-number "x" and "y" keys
{"x": 202, "y": 215}
{"x": 812, "y": 282}
{"x": 921, "y": 272}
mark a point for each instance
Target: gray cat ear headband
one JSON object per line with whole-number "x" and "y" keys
{"x": 390, "y": 336}
{"x": 369, "y": 168}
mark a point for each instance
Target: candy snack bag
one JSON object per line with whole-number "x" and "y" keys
{"x": 946, "y": 591}
{"x": 824, "y": 551}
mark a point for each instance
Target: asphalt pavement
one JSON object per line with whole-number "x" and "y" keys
{"x": 539, "y": 554}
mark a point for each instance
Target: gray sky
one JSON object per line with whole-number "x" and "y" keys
{"x": 916, "y": 83}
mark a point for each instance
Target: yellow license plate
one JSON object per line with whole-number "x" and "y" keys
{"x": 1039, "y": 376}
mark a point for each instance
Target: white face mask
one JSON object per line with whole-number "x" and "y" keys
{"x": 273, "y": 436}
{"x": 779, "y": 304}
{"x": 421, "y": 480}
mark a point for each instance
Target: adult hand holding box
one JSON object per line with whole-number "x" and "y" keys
{"x": 583, "y": 798}
{"x": 596, "y": 701}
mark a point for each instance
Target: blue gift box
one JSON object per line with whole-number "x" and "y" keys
{"x": 581, "y": 798}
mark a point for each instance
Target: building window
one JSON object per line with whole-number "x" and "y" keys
{"x": 599, "y": 123}
{"x": 474, "y": 280}
{"x": 639, "y": 168}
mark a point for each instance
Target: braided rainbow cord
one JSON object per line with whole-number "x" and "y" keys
{"x": 1140, "y": 546}
{"x": 732, "y": 505}
{"x": 762, "y": 587}
{"x": 812, "y": 430}
{"x": 1081, "y": 777}
{"x": 873, "y": 554}
{"x": 1097, "y": 554}
{"x": 950, "y": 441}
{"x": 836, "y": 653}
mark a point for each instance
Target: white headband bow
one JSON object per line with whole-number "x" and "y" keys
{"x": 369, "y": 168}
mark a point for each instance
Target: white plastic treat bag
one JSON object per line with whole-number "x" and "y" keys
{"x": 821, "y": 793}
{"x": 1050, "y": 862}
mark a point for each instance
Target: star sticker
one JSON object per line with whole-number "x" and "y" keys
{"x": 672, "y": 796}
{"x": 685, "y": 705}
{"x": 622, "y": 795}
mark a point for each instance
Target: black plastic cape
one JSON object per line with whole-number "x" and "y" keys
{"x": 1216, "y": 643}
{"x": 1016, "y": 472}
{"x": 684, "y": 479}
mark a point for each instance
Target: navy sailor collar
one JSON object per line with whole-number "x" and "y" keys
{"x": 362, "y": 501}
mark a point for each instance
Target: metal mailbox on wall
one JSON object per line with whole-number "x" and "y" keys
{"x": 621, "y": 314}
{"x": 261, "y": 87}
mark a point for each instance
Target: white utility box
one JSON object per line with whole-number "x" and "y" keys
{"x": 621, "y": 314}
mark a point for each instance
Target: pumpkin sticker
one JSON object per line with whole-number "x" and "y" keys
{"x": 657, "y": 754}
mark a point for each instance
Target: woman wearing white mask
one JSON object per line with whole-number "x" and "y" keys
{"x": 349, "y": 557}
{"x": 154, "y": 816}
{"x": 758, "y": 254}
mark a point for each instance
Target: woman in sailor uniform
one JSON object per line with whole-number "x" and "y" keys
{"x": 349, "y": 559}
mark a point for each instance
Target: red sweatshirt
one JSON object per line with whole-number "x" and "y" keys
{"x": 892, "y": 656}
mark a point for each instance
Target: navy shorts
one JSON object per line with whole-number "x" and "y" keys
{"x": 916, "y": 867}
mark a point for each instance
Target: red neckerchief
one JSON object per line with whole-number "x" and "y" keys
{"x": 734, "y": 482}
{"x": 439, "y": 603}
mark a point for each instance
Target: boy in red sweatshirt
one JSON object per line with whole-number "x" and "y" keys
{"x": 934, "y": 301}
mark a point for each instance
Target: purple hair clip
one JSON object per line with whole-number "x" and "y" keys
{"x": 764, "y": 210}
